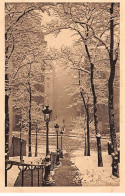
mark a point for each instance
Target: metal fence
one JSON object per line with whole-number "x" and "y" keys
{"x": 33, "y": 174}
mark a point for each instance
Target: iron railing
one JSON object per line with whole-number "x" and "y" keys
{"x": 43, "y": 177}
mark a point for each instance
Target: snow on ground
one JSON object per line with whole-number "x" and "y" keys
{"x": 12, "y": 175}
{"x": 90, "y": 173}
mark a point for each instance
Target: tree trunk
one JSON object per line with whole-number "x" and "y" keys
{"x": 110, "y": 84}
{"x": 6, "y": 127}
{"x": 111, "y": 116}
{"x": 87, "y": 121}
{"x": 88, "y": 135}
{"x": 6, "y": 104}
{"x": 100, "y": 163}
{"x": 115, "y": 169}
{"x": 85, "y": 150}
{"x": 30, "y": 123}
{"x": 36, "y": 142}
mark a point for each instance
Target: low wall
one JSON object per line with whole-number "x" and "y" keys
{"x": 15, "y": 147}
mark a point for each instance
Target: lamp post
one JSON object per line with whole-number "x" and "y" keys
{"x": 61, "y": 153}
{"x": 47, "y": 181}
{"x": 62, "y": 131}
{"x": 57, "y": 129}
{"x": 57, "y": 147}
{"x": 47, "y": 113}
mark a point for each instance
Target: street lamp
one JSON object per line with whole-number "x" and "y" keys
{"x": 62, "y": 131}
{"x": 57, "y": 129}
{"x": 61, "y": 153}
{"x": 57, "y": 148}
{"x": 21, "y": 141}
{"x": 47, "y": 113}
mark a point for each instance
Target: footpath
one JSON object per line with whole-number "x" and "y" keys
{"x": 66, "y": 174}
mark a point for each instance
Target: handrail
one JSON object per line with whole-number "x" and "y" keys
{"x": 45, "y": 164}
{"x": 23, "y": 164}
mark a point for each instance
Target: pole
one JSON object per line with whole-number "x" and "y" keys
{"x": 20, "y": 142}
{"x": 61, "y": 153}
{"x": 61, "y": 142}
{"x": 5, "y": 174}
{"x": 47, "y": 139}
{"x": 36, "y": 142}
{"x": 22, "y": 180}
{"x": 57, "y": 139}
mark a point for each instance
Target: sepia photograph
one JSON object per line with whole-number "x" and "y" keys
{"x": 62, "y": 94}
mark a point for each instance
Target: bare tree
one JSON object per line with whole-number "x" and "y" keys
{"x": 20, "y": 20}
{"x": 94, "y": 23}
{"x": 113, "y": 56}
{"x": 74, "y": 60}
{"x": 76, "y": 17}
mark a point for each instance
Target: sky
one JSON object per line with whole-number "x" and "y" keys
{"x": 65, "y": 37}
{"x": 58, "y": 93}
